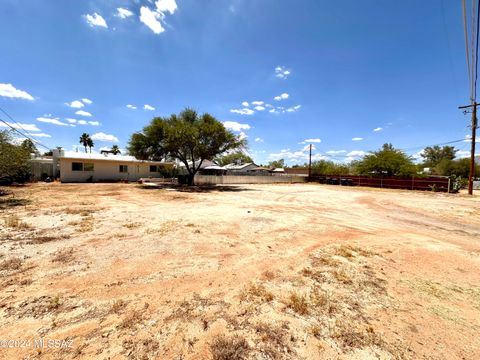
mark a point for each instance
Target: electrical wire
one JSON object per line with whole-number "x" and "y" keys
{"x": 19, "y": 132}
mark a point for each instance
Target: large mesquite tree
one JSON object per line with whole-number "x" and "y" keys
{"x": 189, "y": 137}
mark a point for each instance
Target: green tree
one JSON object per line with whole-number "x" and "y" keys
{"x": 433, "y": 155}
{"x": 188, "y": 137}
{"x": 29, "y": 146}
{"x": 115, "y": 150}
{"x": 14, "y": 160}
{"x": 327, "y": 167}
{"x": 90, "y": 144}
{"x": 387, "y": 161}
{"x": 277, "y": 163}
{"x": 233, "y": 157}
{"x": 86, "y": 140}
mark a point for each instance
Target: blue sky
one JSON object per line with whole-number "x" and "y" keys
{"x": 321, "y": 71}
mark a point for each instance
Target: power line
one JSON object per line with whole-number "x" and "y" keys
{"x": 24, "y": 135}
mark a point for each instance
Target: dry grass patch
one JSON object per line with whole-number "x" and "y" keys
{"x": 163, "y": 229}
{"x": 64, "y": 256}
{"x": 11, "y": 264}
{"x": 118, "y": 306}
{"x": 229, "y": 348}
{"x": 132, "y": 225}
{"x": 46, "y": 239}
{"x": 13, "y": 221}
{"x": 256, "y": 293}
{"x": 131, "y": 320}
{"x": 298, "y": 303}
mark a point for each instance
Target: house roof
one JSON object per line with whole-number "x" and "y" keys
{"x": 105, "y": 157}
{"x": 214, "y": 167}
{"x": 234, "y": 166}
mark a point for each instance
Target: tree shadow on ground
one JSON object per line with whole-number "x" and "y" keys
{"x": 197, "y": 188}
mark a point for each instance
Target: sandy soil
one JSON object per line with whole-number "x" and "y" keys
{"x": 114, "y": 271}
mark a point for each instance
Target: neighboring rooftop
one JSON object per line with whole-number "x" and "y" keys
{"x": 109, "y": 157}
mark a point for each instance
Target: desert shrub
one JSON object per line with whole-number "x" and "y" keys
{"x": 233, "y": 348}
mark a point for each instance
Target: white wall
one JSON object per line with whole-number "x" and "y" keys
{"x": 104, "y": 170}
{"x": 234, "y": 179}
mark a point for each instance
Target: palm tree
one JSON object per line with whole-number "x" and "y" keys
{"x": 85, "y": 141}
{"x": 90, "y": 144}
{"x": 115, "y": 150}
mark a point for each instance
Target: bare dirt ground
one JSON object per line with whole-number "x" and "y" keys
{"x": 114, "y": 271}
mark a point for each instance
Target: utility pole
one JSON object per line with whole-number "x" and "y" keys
{"x": 310, "y": 163}
{"x": 472, "y": 149}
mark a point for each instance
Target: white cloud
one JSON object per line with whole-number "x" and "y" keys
{"x": 357, "y": 139}
{"x": 82, "y": 122}
{"x": 83, "y": 113}
{"x": 8, "y": 90}
{"x": 378, "y": 129}
{"x": 148, "y": 107}
{"x": 54, "y": 121}
{"x": 269, "y": 105}
{"x": 259, "y": 108}
{"x": 235, "y": 126}
{"x": 20, "y": 126}
{"x": 96, "y": 20}
{"x": 461, "y": 154}
{"x": 166, "y": 5}
{"x": 71, "y": 121}
{"x": 281, "y": 97}
{"x": 131, "y": 107}
{"x": 245, "y": 103}
{"x": 293, "y": 109}
{"x": 123, "y": 13}
{"x": 243, "y": 111}
{"x": 468, "y": 138}
{"x": 258, "y": 140}
{"x": 243, "y": 135}
{"x": 257, "y": 103}
{"x": 94, "y": 123}
{"x": 87, "y": 101}
{"x": 40, "y": 135}
{"x": 316, "y": 140}
{"x": 334, "y": 152}
{"x": 281, "y": 72}
{"x": 356, "y": 153}
{"x": 100, "y": 136}
{"x": 150, "y": 18}
{"x": 76, "y": 104}
{"x": 296, "y": 155}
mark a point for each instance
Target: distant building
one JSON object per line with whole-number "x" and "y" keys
{"x": 240, "y": 168}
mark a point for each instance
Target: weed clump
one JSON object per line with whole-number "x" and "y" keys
{"x": 233, "y": 348}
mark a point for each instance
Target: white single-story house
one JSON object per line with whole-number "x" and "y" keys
{"x": 86, "y": 167}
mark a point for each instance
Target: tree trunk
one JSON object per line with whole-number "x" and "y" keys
{"x": 191, "y": 179}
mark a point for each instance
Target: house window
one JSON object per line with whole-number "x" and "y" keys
{"x": 76, "y": 166}
{"x": 153, "y": 168}
{"x": 88, "y": 167}
{"x": 123, "y": 168}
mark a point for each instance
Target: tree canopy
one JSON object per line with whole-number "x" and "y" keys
{"x": 14, "y": 160}
{"x": 237, "y": 156}
{"x": 277, "y": 163}
{"x": 387, "y": 161}
{"x": 326, "y": 167}
{"x": 86, "y": 141}
{"x": 433, "y": 155}
{"x": 188, "y": 137}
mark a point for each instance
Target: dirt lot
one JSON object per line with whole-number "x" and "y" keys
{"x": 116, "y": 271}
